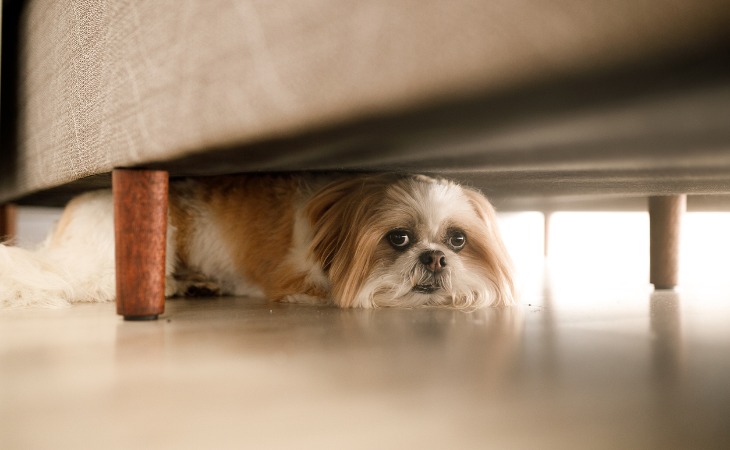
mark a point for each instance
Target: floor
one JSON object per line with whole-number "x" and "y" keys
{"x": 592, "y": 358}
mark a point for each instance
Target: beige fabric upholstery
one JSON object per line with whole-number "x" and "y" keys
{"x": 108, "y": 83}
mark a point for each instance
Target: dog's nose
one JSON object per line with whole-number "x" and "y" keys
{"x": 434, "y": 260}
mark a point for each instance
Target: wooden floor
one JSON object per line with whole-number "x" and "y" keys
{"x": 590, "y": 359}
{"x": 633, "y": 370}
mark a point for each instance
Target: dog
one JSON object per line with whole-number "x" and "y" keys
{"x": 354, "y": 240}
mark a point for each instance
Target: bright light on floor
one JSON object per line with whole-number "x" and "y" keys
{"x": 705, "y": 250}
{"x": 593, "y": 249}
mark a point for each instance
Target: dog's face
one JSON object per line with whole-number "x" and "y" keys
{"x": 391, "y": 240}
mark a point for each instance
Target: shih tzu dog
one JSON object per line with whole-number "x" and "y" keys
{"x": 362, "y": 241}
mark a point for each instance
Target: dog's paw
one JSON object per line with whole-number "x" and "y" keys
{"x": 191, "y": 284}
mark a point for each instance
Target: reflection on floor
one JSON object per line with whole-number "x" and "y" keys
{"x": 590, "y": 359}
{"x": 641, "y": 370}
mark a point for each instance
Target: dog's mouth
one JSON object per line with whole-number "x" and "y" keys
{"x": 425, "y": 288}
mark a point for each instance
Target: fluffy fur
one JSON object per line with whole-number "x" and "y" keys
{"x": 356, "y": 241}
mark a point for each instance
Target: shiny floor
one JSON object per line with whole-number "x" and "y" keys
{"x": 590, "y": 359}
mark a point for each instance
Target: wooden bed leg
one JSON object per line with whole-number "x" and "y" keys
{"x": 665, "y": 217}
{"x": 8, "y": 222}
{"x": 140, "y": 229}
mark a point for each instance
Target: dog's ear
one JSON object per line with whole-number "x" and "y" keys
{"x": 330, "y": 213}
{"x": 490, "y": 251}
{"x": 346, "y": 233}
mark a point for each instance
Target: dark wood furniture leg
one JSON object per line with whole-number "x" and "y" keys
{"x": 140, "y": 229}
{"x": 665, "y": 218}
{"x": 8, "y": 221}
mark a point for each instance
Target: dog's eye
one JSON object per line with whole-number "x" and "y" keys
{"x": 399, "y": 239}
{"x": 456, "y": 240}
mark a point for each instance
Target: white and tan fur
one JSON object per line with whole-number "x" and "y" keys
{"x": 293, "y": 238}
